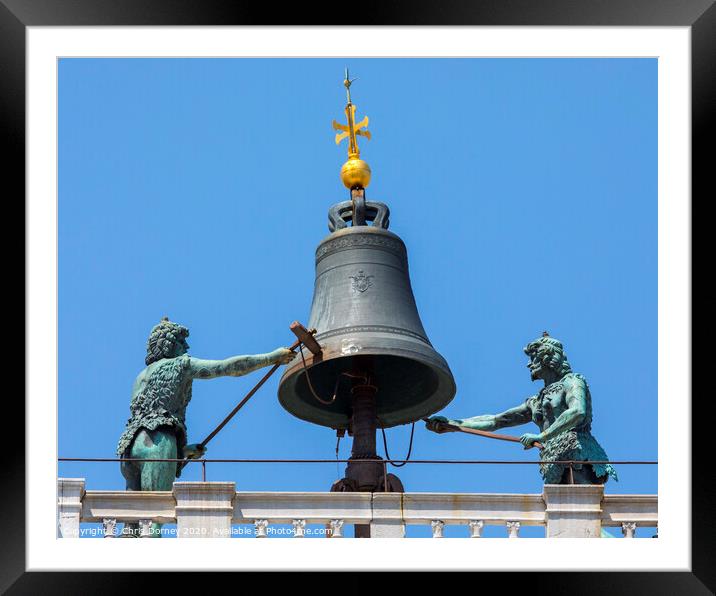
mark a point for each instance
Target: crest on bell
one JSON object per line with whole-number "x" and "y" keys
{"x": 361, "y": 282}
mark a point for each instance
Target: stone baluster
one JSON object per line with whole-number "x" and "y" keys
{"x": 261, "y": 528}
{"x": 204, "y": 509}
{"x": 437, "y": 526}
{"x": 69, "y": 506}
{"x": 145, "y": 528}
{"x": 299, "y": 528}
{"x": 336, "y": 528}
{"x": 513, "y": 529}
{"x": 108, "y": 527}
{"x": 628, "y": 529}
{"x": 476, "y": 526}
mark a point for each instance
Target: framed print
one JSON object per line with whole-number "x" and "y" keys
{"x": 533, "y": 164}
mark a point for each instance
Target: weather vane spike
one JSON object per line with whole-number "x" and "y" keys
{"x": 347, "y": 82}
{"x": 355, "y": 173}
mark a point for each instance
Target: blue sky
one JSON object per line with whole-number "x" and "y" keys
{"x": 524, "y": 189}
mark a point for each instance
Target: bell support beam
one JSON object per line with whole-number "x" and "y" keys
{"x": 364, "y": 421}
{"x": 361, "y": 475}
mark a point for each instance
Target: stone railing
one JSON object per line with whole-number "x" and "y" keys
{"x": 211, "y": 509}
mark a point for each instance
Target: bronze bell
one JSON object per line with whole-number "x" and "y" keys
{"x": 367, "y": 322}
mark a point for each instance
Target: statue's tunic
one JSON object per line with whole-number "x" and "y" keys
{"x": 576, "y": 444}
{"x": 161, "y": 401}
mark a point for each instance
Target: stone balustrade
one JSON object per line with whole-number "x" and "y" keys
{"x": 212, "y": 509}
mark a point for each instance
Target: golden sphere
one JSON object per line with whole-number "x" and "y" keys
{"x": 355, "y": 172}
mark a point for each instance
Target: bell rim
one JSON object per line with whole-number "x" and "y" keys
{"x": 447, "y": 388}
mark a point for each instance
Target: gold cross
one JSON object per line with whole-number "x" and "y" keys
{"x": 351, "y": 130}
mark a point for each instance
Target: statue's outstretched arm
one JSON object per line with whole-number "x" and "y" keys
{"x": 576, "y": 398}
{"x": 514, "y": 416}
{"x": 237, "y": 366}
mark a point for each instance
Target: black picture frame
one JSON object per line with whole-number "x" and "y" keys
{"x": 699, "y": 15}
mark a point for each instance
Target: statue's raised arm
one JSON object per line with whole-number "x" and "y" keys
{"x": 237, "y": 366}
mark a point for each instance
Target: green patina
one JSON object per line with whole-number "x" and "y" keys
{"x": 156, "y": 428}
{"x": 563, "y": 412}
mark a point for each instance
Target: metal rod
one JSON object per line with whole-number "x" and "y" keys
{"x": 483, "y": 433}
{"x": 249, "y": 395}
{"x": 304, "y": 337}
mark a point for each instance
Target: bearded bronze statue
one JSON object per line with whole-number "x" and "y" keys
{"x": 156, "y": 428}
{"x": 563, "y": 412}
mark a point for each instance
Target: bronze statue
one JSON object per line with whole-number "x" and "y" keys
{"x": 161, "y": 392}
{"x": 563, "y": 412}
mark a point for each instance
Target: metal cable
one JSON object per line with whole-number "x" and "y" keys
{"x": 335, "y": 388}
{"x": 347, "y": 461}
{"x": 310, "y": 386}
{"x": 385, "y": 445}
{"x": 338, "y": 444}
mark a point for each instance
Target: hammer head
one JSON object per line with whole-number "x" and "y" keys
{"x": 306, "y": 337}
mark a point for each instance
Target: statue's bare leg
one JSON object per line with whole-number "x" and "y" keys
{"x": 160, "y": 443}
{"x": 131, "y": 473}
